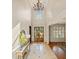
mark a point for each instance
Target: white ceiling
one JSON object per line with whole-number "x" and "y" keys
{"x": 22, "y": 9}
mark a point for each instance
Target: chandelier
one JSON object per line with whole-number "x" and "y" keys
{"x": 38, "y": 6}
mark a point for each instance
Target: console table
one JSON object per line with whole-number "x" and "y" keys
{"x": 20, "y": 52}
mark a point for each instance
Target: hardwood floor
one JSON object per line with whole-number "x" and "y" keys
{"x": 60, "y": 44}
{"x": 59, "y": 48}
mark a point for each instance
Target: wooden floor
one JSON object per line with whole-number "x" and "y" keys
{"x": 59, "y": 49}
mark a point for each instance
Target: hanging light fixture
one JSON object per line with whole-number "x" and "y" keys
{"x": 38, "y": 6}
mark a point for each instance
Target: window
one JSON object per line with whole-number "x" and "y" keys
{"x": 57, "y": 31}
{"x": 39, "y": 14}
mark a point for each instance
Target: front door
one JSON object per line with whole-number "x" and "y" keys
{"x": 38, "y": 34}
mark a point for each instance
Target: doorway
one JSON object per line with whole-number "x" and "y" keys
{"x": 30, "y": 33}
{"x": 38, "y": 34}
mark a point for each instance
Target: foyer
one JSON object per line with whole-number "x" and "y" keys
{"x": 43, "y": 23}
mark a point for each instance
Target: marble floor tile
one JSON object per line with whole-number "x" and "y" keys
{"x": 40, "y": 51}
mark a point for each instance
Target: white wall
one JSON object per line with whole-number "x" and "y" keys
{"x": 46, "y": 21}
{"x": 54, "y": 13}
{"x": 21, "y": 17}
{"x": 21, "y": 13}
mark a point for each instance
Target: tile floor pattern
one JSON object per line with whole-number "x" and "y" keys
{"x": 40, "y": 51}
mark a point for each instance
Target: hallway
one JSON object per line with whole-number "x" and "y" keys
{"x": 35, "y": 21}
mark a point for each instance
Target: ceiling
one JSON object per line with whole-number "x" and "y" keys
{"x": 21, "y": 9}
